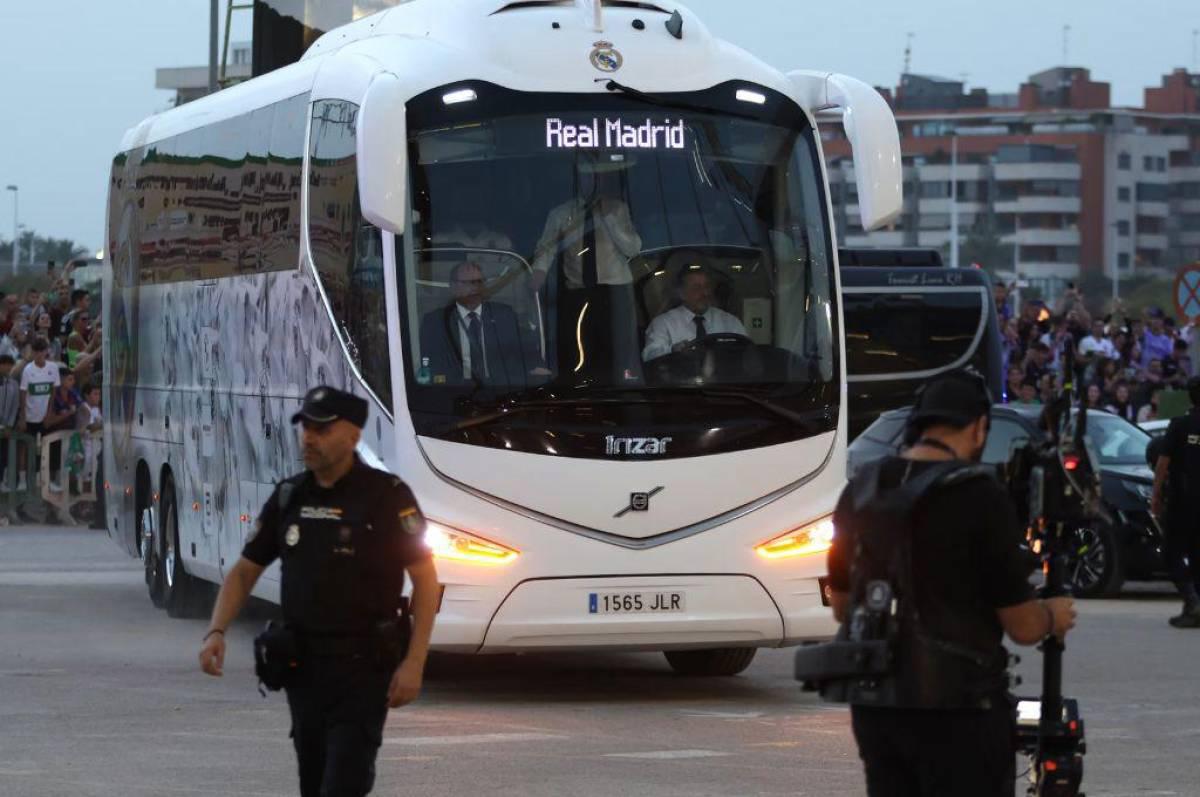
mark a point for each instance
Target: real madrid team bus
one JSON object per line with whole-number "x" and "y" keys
{"x": 568, "y": 171}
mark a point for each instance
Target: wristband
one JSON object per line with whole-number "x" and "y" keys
{"x": 213, "y": 631}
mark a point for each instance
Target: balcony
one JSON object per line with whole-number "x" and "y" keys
{"x": 1185, "y": 205}
{"x": 1158, "y": 210}
{"x": 1037, "y": 236}
{"x": 1184, "y": 174}
{"x": 933, "y": 239}
{"x": 1152, "y": 241}
{"x": 932, "y": 206}
{"x": 1009, "y": 172}
{"x": 1042, "y": 270}
{"x": 1188, "y": 238}
{"x": 941, "y": 172}
{"x": 1041, "y": 204}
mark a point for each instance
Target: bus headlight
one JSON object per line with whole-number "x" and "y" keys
{"x": 816, "y": 537}
{"x": 459, "y": 546}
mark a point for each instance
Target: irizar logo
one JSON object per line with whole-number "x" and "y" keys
{"x": 636, "y": 446}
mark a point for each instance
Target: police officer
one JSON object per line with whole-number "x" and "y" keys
{"x": 946, "y": 727}
{"x": 346, "y": 534}
{"x": 1177, "y": 489}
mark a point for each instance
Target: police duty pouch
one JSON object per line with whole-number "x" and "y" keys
{"x": 276, "y": 656}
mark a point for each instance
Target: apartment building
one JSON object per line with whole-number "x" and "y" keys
{"x": 1066, "y": 183}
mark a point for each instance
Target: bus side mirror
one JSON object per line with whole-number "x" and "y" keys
{"x": 382, "y": 150}
{"x": 871, "y": 128}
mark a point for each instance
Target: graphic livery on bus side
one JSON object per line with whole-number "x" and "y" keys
{"x": 582, "y": 268}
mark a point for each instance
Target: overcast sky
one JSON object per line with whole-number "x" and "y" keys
{"x": 75, "y": 74}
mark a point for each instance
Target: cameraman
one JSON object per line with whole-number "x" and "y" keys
{"x": 1177, "y": 479}
{"x": 969, "y": 574}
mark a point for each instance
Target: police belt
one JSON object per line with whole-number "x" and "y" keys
{"x": 338, "y": 644}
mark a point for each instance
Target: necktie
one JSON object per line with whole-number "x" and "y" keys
{"x": 475, "y": 337}
{"x": 701, "y": 331}
{"x": 591, "y": 270}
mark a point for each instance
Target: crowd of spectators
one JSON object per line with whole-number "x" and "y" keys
{"x": 50, "y": 346}
{"x": 1123, "y": 360}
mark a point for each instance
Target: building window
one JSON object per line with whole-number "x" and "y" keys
{"x": 1123, "y": 260}
{"x": 1123, "y": 228}
{"x": 1123, "y": 193}
{"x": 1124, "y": 161}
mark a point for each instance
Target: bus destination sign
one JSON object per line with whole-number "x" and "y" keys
{"x": 614, "y": 134}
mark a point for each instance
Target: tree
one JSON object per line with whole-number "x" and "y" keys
{"x": 982, "y": 245}
{"x": 44, "y": 248}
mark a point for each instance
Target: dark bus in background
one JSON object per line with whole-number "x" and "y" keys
{"x": 909, "y": 318}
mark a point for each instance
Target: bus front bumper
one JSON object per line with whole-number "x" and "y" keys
{"x": 650, "y": 613}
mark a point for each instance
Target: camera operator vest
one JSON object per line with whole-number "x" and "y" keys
{"x": 922, "y": 671}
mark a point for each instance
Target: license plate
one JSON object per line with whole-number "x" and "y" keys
{"x": 636, "y": 602}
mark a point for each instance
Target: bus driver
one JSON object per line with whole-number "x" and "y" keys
{"x": 693, "y": 319}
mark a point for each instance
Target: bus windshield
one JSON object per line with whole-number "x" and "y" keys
{"x": 587, "y": 266}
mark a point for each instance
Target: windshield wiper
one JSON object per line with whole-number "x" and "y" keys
{"x": 664, "y": 102}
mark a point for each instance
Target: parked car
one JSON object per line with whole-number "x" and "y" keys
{"x": 1155, "y": 428}
{"x": 1105, "y": 555}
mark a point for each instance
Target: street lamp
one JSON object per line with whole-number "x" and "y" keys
{"x": 16, "y": 239}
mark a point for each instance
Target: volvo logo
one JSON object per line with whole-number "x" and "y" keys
{"x": 606, "y": 57}
{"x": 639, "y": 502}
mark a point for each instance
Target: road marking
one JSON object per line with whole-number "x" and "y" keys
{"x": 725, "y": 715}
{"x": 476, "y": 738}
{"x": 666, "y": 755}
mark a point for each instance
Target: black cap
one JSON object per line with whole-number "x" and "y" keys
{"x": 957, "y": 398}
{"x": 324, "y": 404}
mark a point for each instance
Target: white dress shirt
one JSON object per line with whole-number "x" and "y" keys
{"x": 679, "y": 326}
{"x": 616, "y": 242}
{"x": 1103, "y": 345}
{"x": 464, "y": 339}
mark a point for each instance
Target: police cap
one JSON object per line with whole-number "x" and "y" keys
{"x": 957, "y": 398}
{"x": 324, "y": 404}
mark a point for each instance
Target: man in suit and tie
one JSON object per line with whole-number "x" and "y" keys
{"x": 471, "y": 340}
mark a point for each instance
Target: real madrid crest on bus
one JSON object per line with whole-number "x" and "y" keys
{"x": 606, "y": 57}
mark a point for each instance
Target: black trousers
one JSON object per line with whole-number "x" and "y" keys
{"x": 1181, "y": 545}
{"x": 338, "y": 706}
{"x": 913, "y": 753}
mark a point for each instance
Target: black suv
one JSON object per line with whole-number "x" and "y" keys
{"x": 1105, "y": 556}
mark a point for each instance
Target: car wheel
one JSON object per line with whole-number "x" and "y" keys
{"x": 713, "y": 662}
{"x": 1094, "y": 567}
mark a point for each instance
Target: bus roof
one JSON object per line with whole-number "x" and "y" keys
{"x": 522, "y": 45}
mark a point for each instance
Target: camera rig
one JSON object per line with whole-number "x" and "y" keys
{"x": 1056, "y": 480}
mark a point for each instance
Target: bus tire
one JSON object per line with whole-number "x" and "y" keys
{"x": 712, "y": 662}
{"x": 147, "y": 549}
{"x": 183, "y": 595}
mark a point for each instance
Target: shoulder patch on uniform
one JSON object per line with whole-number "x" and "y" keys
{"x": 411, "y": 520}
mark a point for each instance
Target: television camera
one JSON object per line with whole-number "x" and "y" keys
{"x": 1055, "y": 482}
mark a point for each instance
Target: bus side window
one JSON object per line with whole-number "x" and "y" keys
{"x": 347, "y": 252}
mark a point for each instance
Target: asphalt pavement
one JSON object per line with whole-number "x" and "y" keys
{"x": 100, "y": 695}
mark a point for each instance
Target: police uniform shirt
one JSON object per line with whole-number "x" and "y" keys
{"x": 344, "y": 549}
{"x": 1183, "y": 447}
{"x": 968, "y": 556}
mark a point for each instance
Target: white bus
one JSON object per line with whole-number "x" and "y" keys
{"x": 563, "y": 168}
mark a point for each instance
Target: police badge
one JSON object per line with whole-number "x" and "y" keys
{"x": 292, "y": 536}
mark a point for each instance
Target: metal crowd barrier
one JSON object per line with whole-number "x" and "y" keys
{"x": 38, "y": 478}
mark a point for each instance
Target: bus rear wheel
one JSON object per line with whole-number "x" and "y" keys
{"x": 183, "y": 595}
{"x": 712, "y": 662}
